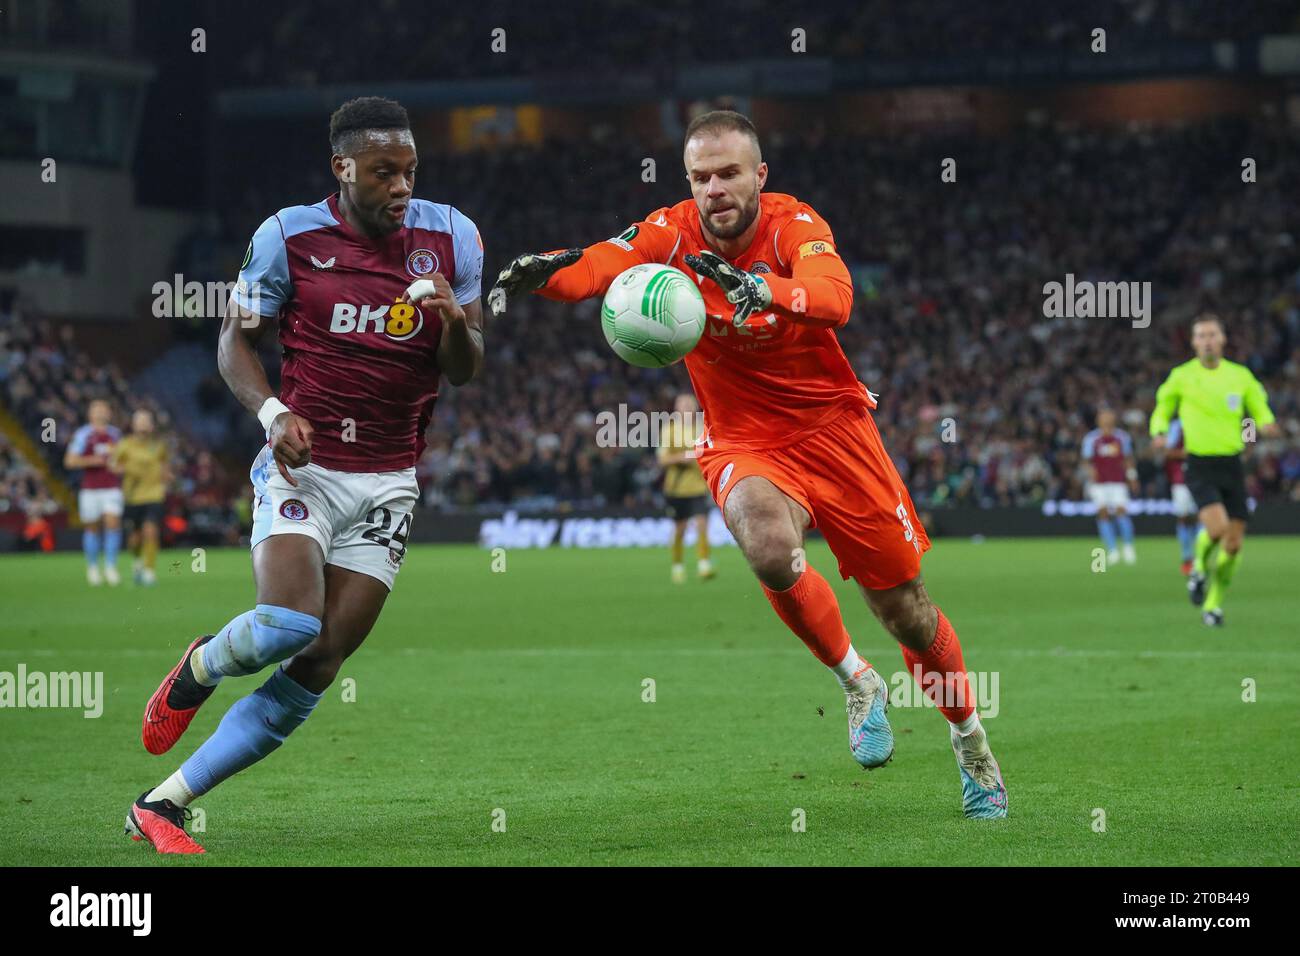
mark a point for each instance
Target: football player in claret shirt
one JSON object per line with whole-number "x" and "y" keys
{"x": 335, "y": 482}
{"x": 1108, "y": 453}
{"x": 790, "y": 442}
{"x": 99, "y": 502}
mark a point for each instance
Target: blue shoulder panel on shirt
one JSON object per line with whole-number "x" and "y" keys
{"x": 299, "y": 219}
{"x": 468, "y": 284}
{"x": 422, "y": 214}
{"x": 78, "y": 444}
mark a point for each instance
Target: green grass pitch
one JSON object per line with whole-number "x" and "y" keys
{"x": 522, "y": 692}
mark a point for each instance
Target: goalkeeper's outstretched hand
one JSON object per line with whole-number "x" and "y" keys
{"x": 527, "y": 273}
{"x": 746, "y": 291}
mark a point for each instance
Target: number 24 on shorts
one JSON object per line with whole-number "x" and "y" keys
{"x": 378, "y": 532}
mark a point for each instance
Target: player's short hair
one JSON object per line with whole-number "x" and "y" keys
{"x": 723, "y": 121}
{"x": 364, "y": 113}
{"x": 1209, "y": 317}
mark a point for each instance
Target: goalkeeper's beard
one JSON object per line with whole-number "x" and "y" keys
{"x": 748, "y": 213}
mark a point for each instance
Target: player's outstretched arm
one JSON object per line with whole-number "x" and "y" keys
{"x": 575, "y": 274}
{"x": 527, "y": 273}
{"x": 818, "y": 292}
{"x": 288, "y": 435}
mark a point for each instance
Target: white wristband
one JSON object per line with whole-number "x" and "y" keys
{"x": 271, "y": 409}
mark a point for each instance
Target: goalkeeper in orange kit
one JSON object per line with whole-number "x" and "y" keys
{"x": 790, "y": 442}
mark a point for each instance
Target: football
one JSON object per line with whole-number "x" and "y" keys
{"x": 652, "y": 315}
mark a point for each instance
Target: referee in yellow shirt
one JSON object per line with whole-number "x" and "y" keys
{"x": 685, "y": 490}
{"x": 1214, "y": 398}
{"x": 141, "y": 459}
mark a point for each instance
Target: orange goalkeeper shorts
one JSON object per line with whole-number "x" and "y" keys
{"x": 846, "y": 482}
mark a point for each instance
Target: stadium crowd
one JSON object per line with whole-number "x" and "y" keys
{"x": 983, "y": 400}
{"x": 295, "y": 42}
{"x": 47, "y": 380}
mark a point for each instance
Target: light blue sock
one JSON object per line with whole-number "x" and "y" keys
{"x": 265, "y": 635}
{"x": 253, "y": 727}
{"x": 1126, "y": 528}
{"x": 90, "y": 545}
{"x": 1187, "y": 540}
{"x": 112, "y": 545}
{"x": 1107, "y": 529}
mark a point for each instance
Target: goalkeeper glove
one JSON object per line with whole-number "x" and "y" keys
{"x": 527, "y": 273}
{"x": 745, "y": 290}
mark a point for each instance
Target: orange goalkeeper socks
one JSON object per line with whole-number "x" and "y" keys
{"x": 810, "y": 610}
{"x": 941, "y": 674}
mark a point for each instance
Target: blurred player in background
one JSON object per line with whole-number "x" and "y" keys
{"x": 335, "y": 481}
{"x": 791, "y": 443}
{"x": 99, "y": 503}
{"x": 1184, "y": 505}
{"x": 141, "y": 458}
{"x": 1108, "y": 452}
{"x": 1214, "y": 398}
{"x": 685, "y": 490}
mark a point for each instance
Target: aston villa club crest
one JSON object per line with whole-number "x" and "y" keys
{"x": 421, "y": 262}
{"x": 293, "y": 509}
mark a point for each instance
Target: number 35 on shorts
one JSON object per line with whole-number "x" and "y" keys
{"x": 909, "y": 534}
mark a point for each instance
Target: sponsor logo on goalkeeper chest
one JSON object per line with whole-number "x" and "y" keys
{"x": 398, "y": 322}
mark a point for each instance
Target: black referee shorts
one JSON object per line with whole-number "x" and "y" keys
{"x": 681, "y": 509}
{"x": 1218, "y": 479}
{"x": 137, "y": 515}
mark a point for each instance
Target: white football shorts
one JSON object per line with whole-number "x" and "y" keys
{"x": 360, "y": 519}
{"x": 94, "y": 503}
{"x": 1184, "y": 504}
{"x": 1110, "y": 495}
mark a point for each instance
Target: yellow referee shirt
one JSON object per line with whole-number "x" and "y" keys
{"x": 681, "y": 480}
{"x": 142, "y": 460}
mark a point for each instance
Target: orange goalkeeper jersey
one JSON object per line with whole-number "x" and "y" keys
{"x": 781, "y": 375}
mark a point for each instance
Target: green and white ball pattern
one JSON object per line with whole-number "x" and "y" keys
{"x": 652, "y": 315}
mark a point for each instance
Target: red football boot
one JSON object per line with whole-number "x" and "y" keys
{"x": 162, "y": 823}
{"x": 174, "y": 704}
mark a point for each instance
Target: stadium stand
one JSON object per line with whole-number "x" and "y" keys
{"x": 947, "y": 322}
